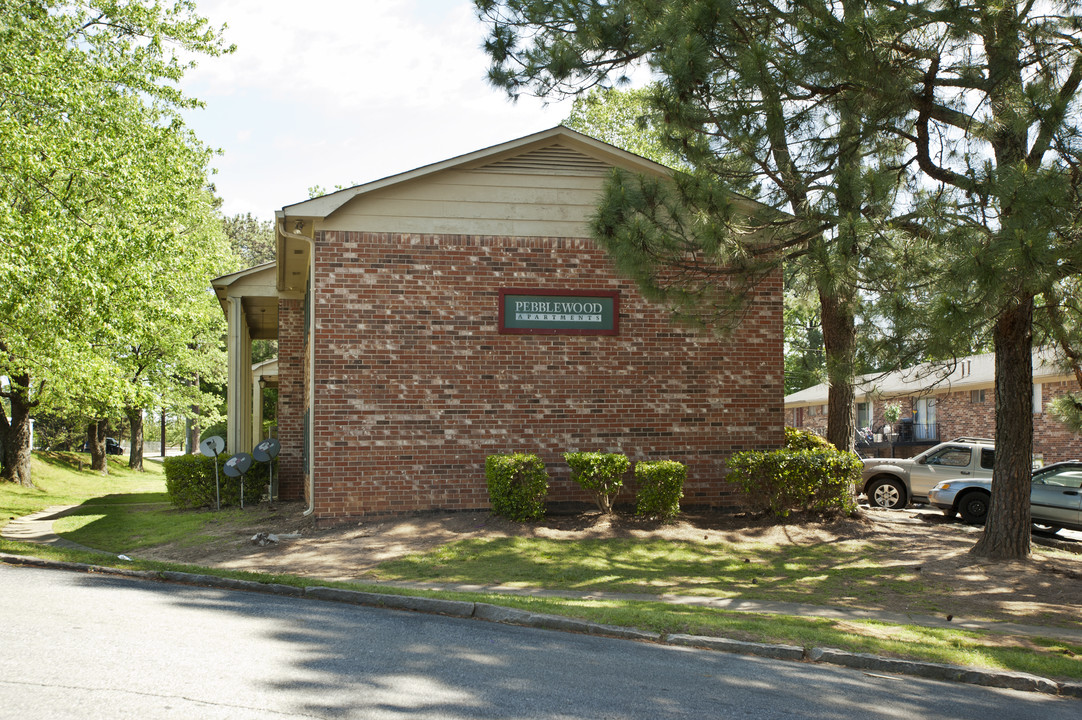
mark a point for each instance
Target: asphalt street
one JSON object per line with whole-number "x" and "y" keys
{"x": 92, "y": 646}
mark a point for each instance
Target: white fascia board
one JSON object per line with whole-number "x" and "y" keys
{"x": 967, "y": 373}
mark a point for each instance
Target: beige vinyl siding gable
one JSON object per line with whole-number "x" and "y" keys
{"x": 533, "y": 194}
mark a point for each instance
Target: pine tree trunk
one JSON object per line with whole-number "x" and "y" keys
{"x": 1006, "y": 533}
{"x": 16, "y": 434}
{"x": 839, "y": 342}
{"x": 135, "y": 455}
{"x": 95, "y": 440}
{"x": 836, "y": 294}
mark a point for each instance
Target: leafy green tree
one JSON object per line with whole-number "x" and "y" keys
{"x": 626, "y": 119}
{"x": 1062, "y": 308}
{"x": 251, "y": 239}
{"x": 173, "y": 332}
{"x": 804, "y": 361}
{"x": 96, "y": 168}
{"x": 754, "y": 103}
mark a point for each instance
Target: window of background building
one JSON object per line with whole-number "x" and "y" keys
{"x": 864, "y": 414}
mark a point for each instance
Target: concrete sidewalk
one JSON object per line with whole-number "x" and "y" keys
{"x": 38, "y": 528}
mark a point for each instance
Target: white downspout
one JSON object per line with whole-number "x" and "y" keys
{"x": 310, "y": 440}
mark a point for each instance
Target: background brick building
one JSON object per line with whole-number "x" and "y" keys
{"x": 942, "y": 402}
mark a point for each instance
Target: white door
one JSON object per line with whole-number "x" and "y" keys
{"x": 924, "y": 424}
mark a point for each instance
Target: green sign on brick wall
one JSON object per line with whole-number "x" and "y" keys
{"x": 558, "y": 312}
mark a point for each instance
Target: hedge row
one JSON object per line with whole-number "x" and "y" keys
{"x": 189, "y": 481}
{"x": 518, "y": 483}
{"x": 809, "y": 474}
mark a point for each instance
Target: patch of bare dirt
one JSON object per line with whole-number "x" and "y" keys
{"x": 1043, "y": 590}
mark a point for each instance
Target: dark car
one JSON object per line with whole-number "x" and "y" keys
{"x": 112, "y": 447}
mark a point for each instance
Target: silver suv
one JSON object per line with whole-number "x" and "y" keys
{"x": 894, "y": 483}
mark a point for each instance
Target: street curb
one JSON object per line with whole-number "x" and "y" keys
{"x": 435, "y": 606}
{"x": 495, "y": 613}
{"x": 936, "y": 671}
{"x": 1058, "y": 544}
{"x": 777, "y": 652}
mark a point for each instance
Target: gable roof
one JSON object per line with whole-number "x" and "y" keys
{"x": 258, "y": 295}
{"x": 559, "y": 149}
{"x": 967, "y": 373}
{"x": 436, "y": 198}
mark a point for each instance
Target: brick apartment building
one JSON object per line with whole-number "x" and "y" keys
{"x": 942, "y": 402}
{"x": 430, "y": 319}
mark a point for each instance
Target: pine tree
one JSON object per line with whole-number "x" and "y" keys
{"x": 929, "y": 152}
{"x": 988, "y": 108}
{"x": 756, "y": 105}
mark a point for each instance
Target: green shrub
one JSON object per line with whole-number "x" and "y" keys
{"x": 797, "y": 439}
{"x": 783, "y": 481}
{"x": 600, "y": 474}
{"x": 517, "y": 485}
{"x": 219, "y": 428}
{"x": 661, "y": 485}
{"x": 189, "y": 481}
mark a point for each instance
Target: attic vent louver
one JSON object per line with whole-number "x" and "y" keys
{"x": 551, "y": 160}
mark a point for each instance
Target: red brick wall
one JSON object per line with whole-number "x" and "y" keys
{"x": 290, "y": 398}
{"x": 1051, "y": 437}
{"x": 415, "y": 386}
{"x": 959, "y": 416}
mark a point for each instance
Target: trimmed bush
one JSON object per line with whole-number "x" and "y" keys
{"x": 661, "y": 485}
{"x": 189, "y": 481}
{"x": 517, "y": 485}
{"x": 797, "y": 439}
{"x": 783, "y": 481}
{"x": 219, "y": 428}
{"x": 600, "y": 474}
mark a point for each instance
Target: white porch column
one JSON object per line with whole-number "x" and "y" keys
{"x": 257, "y": 412}
{"x": 239, "y": 413}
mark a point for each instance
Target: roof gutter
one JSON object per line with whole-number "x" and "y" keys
{"x": 310, "y": 439}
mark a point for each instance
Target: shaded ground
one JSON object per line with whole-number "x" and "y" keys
{"x": 1045, "y": 590}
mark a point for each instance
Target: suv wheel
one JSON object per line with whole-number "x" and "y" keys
{"x": 887, "y": 493}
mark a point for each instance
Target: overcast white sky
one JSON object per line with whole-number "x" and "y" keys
{"x": 340, "y": 92}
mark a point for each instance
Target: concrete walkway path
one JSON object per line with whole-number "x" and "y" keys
{"x": 38, "y": 528}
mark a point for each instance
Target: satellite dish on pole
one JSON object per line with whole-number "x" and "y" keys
{"x": 213, "y": 447}
{"x": 265, "y": 452}
{"x": 237, "y": 466}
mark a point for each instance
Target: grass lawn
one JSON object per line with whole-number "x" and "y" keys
{"x": 816, "y": 574}
{"x": 65, "y": 478}
{"x": 126, "y": 511}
